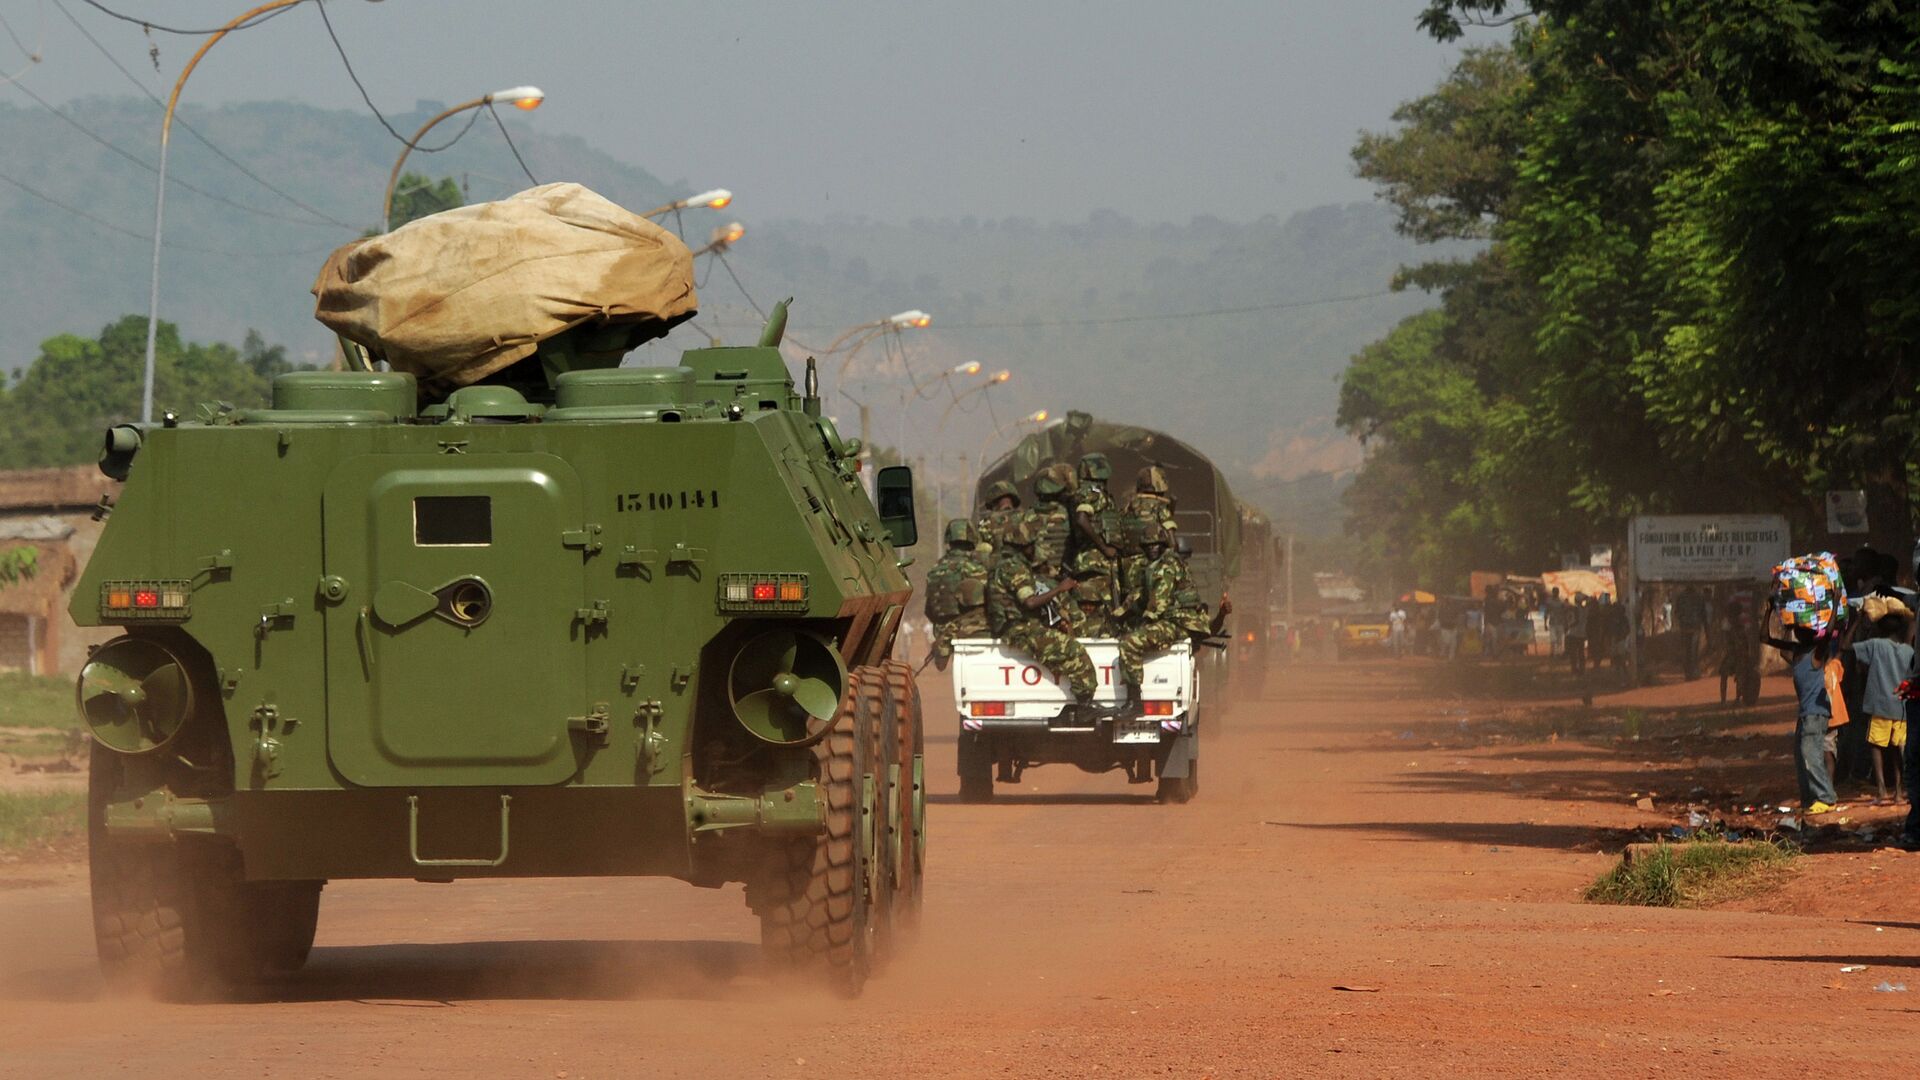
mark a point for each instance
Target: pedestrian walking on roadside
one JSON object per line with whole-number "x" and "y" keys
{"x": 1579, "y": 624}
{"x": 1397, "y": 632}
{"x": 1885, "y": 660}
{"x": 1806, "y": 655}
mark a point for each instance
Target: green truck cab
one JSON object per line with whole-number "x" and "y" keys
{"x": 620, "y": 621}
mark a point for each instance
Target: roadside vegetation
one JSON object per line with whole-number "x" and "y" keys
{"x": 1697, "y": 873}
{"x": 37, "y": 819}
{"x": 37, "y": 717}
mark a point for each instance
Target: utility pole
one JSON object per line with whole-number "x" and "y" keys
{"x": 1290, "y": 626}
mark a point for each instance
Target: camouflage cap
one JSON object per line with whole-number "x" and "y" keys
{"x": 1001, "y": 489}
{"x": 1054, "y": 480}
{"x": 961, "y": 531}
{"x": 1095, "y": 466}
{"x": 1152, "y": 479}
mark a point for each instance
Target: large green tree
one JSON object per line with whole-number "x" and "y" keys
{"x": 57, "y": 407}
{"x": 1701, "y": 223}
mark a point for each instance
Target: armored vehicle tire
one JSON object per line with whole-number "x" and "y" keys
{"x": 881, "y": 792}
{"x": 176, "y": 919}
{"x": 910, "y": 830}
{"x": 1181, "y": 790}
{"x": 976, "y": 769}
{"x": 813, "y": 908}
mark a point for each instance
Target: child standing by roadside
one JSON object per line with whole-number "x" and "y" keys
{"x": 1886, "y": 659}
{"x": 1806, "y": 656}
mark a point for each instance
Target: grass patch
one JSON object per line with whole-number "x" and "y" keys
{"x": 1693, "y": 874}
{"x": 36, "y": 701}
{"x": 30, "y": 819}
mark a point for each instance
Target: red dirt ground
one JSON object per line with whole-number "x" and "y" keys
{"x": 1357, "y": 829}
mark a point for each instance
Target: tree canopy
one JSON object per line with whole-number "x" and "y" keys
{"x": 1698, "y": 291}
{"x": 56, "y": 408}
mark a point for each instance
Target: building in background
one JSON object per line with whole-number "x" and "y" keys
{"x": 51, "y": 511}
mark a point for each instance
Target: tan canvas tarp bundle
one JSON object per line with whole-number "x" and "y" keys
{"x": 461, "y": 294}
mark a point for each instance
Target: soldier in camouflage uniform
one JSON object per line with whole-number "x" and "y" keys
{"x": 1095, "y": 558}
{"x": 956, "y": 601}
{"x": 1052, "y": 517}
{"x": 1170, "y": 610}
{"x": 1149, "y": 504}
{"x": 1002, "y": 503}
{"x": 1026, "y": 616}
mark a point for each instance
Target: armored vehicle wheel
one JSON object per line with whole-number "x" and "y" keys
{"x": 176, "y": 919}
{"x": 910, "y": 831}
{"x": 814, "y": 907}
{"x": 976, "y": 769}
{"x": 882, "y": 794}
{"x": 1180, "y": 790}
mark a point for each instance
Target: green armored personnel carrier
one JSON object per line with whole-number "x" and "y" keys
{"x": 569, "y": 619}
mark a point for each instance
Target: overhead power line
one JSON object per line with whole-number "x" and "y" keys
{"x": 375, "y": 109}
{"x": 191, "y": 130}
{"x": 149, "y": 24}
{"x": 148, "y": 237}
{"x": 497, "y": 122}
{"x": 1208, "y": 313}
{"x": 149, "y": 166}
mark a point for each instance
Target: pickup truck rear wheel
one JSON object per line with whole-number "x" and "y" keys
{"x": 813, "y": 902}
{"x": 976, "y": 768}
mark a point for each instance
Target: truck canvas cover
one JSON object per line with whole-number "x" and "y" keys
{"x": 454, "y": 297}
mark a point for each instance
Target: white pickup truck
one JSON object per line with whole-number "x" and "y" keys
{"x": 1014, "y": 715}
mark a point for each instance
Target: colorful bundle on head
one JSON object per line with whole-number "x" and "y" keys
{"x": 1809, "y": 592}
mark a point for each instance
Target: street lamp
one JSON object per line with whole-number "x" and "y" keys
{"x": 160, "y": 199}
{"x": 993, "y": 380}
{"x": 525, "y": 98}
{"x": 1032, "y": 419}
{"x": 716, "y": 199}
{"x": 722, "y": 238}
{"x": 913, "y": 319}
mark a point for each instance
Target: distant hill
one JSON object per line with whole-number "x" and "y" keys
{"x": 1255, "y": 389}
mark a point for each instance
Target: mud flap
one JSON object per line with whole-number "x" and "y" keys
{"x": 1179, "y": 757}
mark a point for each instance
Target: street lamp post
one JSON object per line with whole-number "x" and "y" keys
{"x": 160, "y": 199}
{"x": 913, "y": 319}
{"x": 716, "y": 199}
{"x": 722, "y": 239}
{"x": 526, "y": 98}
{"x": 993, "y": 380}
{"x": 1033, "y": 418}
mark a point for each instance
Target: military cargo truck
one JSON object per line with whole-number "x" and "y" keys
{"x": 572, "y": 619}
{"x": 1205, "y": 511}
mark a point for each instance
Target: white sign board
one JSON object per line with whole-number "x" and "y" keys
{"x": 1707, "y": 547}
{"x": 1847, "y": 511}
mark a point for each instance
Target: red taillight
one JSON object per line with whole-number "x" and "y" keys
{"x": 1157, "y": 708}
{"x": 765, "y": 590}
{"x": 146, "y": 598}
{"x": 988, "y": 708}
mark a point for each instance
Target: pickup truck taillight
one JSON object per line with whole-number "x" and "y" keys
{"x": 987, "y": 708}
{"x": 1156, "y": 708}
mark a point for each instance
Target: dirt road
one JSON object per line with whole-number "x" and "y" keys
{"x": 1072, "y": 929}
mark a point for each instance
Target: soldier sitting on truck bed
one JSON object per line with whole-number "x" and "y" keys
{"x": 1002, "y": 508}
{"x": 1096, "y": 554}
{"x": 956, "y": 602}
{"x": 1028, "y": 618}
{"x": 1148, "y": 503}
{"x": 1052, "y": 517}
{"x": 1169, "y": 610}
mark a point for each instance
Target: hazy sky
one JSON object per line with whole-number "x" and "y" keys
{"x": 810, "y": 108}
